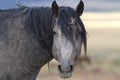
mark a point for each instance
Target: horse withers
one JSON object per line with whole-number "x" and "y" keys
{"x": 31, "y": 37}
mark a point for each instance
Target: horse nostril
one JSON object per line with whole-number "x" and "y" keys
{"x": 68, "y": 69}
{"x": 71, "y": 68}
{"x": 59, "y": 67}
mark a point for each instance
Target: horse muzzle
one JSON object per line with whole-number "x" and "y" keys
{"x": 65, "y": 71}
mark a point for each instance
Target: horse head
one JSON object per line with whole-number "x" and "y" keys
{"x": 69, "y": 33}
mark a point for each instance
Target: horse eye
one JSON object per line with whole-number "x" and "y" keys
{"x": 54, "y": 32}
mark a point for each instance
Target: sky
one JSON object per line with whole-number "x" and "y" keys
{"x": 90, "y": 5}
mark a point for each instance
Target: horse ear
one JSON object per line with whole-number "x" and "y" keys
{"x": 80, "y": 8}
{"x": 55, "y": 9}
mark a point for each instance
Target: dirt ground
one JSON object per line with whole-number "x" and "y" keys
{"x": 81, "y": 75}
{"x": 104, "y": 54}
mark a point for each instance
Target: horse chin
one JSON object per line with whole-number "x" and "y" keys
{"x": 65, "y": 75}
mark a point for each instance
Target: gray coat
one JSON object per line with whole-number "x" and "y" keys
{"x": 21, "y": 53}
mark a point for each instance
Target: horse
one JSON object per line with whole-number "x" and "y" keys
{"x": 30, "y": 37}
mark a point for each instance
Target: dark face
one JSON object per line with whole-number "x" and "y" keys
{"x": 67, "y": 39}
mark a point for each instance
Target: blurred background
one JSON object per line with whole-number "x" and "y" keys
{"x": 102, "y": 22}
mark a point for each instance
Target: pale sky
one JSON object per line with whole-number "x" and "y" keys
{"x": 90, "y": 5}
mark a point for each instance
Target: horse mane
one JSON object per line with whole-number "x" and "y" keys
{"x": 84, "y": 38}
{"x": 39, "y": 22}
{"x": 20, "y": 5}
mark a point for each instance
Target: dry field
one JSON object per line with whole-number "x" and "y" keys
{"x": 103, "y": 51}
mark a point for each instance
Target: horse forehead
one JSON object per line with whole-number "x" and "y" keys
{"x": 72, "y": 20}
{"x": 67, "y": 12}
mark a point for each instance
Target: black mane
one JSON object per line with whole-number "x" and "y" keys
{"x": 39, "y": 21}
